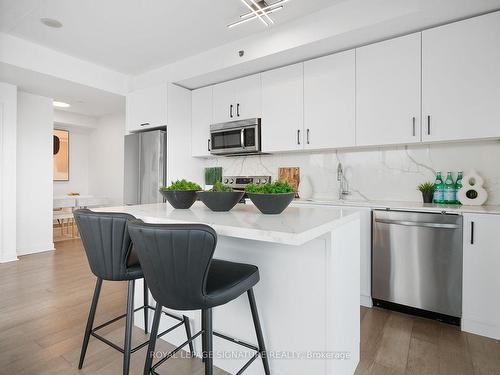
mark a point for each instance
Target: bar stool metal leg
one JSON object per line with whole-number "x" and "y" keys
{"x": 208, "y": 334}
{"x": 203, "y": 342}
{"x": 90, "y": 321}
{"x": 185, "y": 319}
{"x": 128, "y": 327}
{"x": 146, "y": 306}
{"x": 152, "y": 340}
{"x": 258, "y": 331}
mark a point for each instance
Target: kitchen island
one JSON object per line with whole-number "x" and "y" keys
{"x": 308, "y": 295}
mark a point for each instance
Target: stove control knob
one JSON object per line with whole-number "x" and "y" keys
{"x": 231, "y": 181}
{"x": 226, "y": 180}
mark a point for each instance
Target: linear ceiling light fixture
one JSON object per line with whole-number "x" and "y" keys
{"x": 259, "y": 9}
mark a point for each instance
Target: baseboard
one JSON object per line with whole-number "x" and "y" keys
{"x": 40, "y": 249}
{"x": 7, "y": 260}
{"x": 482, "y": 329}
{"x": 366, "y": 301}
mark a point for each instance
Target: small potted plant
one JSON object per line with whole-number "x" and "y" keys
{"x": 221, "y": 197}
{"x": 271, "y": 198}
{"x": 181, "y": 193}
{"x": 427, "y": 189}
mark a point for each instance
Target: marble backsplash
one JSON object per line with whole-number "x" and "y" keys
{"x": 385, "y": 173}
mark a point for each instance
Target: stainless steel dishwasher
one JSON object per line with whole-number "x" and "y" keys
{"x": 417, "y": 263}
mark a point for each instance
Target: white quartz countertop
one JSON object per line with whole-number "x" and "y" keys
{"x": 408, "y": 206}
{"x": 295, "y": 226}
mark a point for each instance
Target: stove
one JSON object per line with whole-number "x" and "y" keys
{"x": 239, "y": 182}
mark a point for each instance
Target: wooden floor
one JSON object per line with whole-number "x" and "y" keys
{"x": 45, "y": 300}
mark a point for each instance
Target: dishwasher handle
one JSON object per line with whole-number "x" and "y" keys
{"x": 418, "y": 224}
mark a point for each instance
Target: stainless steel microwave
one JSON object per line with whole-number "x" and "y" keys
{"x": 236, "y": 137}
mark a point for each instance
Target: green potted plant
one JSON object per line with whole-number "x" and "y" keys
{"x": 221, "y": 197}
{"x": 181, "y": 193}
{"x": 271, "y": 198}
{"x": 427, "y": 189}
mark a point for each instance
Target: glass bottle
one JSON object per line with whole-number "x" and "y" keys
{"x": 449, "y": 190}
{"x": 458, "y": 185}
{"x": 439, "y": 192}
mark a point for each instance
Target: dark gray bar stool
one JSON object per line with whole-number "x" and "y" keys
{"x": 111, "y": 257}
{"x": 181, "y": 274}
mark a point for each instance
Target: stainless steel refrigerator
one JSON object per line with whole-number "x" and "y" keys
{"x": 145, "y": 167}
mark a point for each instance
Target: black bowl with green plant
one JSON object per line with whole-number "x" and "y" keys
{"x": 220, "y": 198}
{"x": 181, "y": 194}
{"x": 271, "y": 198}
{"x": 427, "y": 189}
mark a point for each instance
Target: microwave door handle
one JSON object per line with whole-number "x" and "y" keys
{"x": 242, "y": 139}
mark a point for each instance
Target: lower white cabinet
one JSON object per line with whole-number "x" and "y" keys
{"x": 201, "y": 118}
{"x": 481, "y": 276}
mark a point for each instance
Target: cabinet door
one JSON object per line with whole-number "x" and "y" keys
{"x": 388, "y": 82}
{"x": 147, "y": 108}
{"x": 481, "y": 278}
{"x": 224, "y": 102}
{"x": 248, "y": 97}
{"x": 283, "y": 109}
{"x": 461, "y": 80}
{"x": 329, "y": 101}
{"x": 201, "y": 118}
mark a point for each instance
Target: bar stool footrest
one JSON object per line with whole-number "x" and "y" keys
{"x": 220, "y": 335}
{"x": 142, "y": 345}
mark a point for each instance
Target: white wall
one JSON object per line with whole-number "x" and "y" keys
{"x": 8, "y": 144}
{"x": 74, "y": 119}
{"x": 385, "y": 173}
{"x": 32, "y": 56}
{"x": 34, "y": 173}
{"x": 180, "y": 163}
{"x": 79, "y": 144}
{"x": 106, "y": 155}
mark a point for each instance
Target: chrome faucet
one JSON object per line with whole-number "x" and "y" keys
{"x": 343, "y": 183}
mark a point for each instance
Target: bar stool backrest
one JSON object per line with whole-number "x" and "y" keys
{"x": 106, "y": 241}
{"x": 175, "y": 259}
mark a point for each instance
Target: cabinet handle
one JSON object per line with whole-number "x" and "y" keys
{"x": 298, "y": 136}
{"x": 472, "y": 233}
{"x": 238, "y": 110}
{"x": 231, "y": 111}
{"x": 208, "y": 146}
{"x": 413, "y": 124}
{"x": 428, "y": 125}
{"x": 307, "y": 136}
{"x": 242, "y": 136}
{"x": 144, "y": 124}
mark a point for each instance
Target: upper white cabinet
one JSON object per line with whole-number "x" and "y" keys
{"x": 238, "y": 99}
{"x": 283, "y": 109}
{"x": 461, "y": 80}
{"x": 481, "y": 279}
{"x": 329, "y": 101}
{"x": 147, "y": 108}
{"x": 388, "y": 81}
{"x": 201, "y": 118}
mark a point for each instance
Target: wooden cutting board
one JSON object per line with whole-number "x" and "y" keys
{"x": 290, "y": 175}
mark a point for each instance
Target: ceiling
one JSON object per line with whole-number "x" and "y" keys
{"x": 127, "y": 37}
{"x": 83, "y": 99}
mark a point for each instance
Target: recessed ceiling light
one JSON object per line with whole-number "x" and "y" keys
{"x": 50, "y": 22}
{"x": 60, "y": 104}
